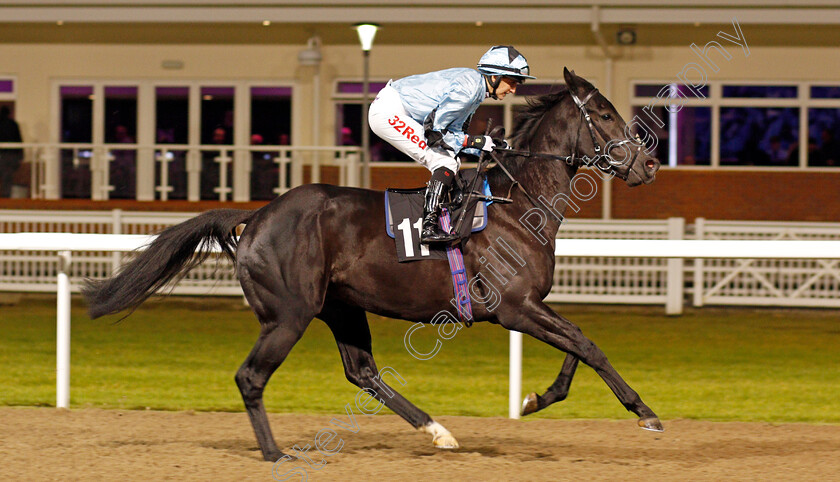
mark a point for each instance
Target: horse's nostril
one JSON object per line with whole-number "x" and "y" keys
{"x": 650, "y": 164}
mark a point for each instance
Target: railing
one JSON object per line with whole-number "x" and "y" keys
{"x": 766, "y": 282}
{"x": 185, "y": 171}
{"x": 637, "y": 280}
{"x": 590, "y": 279}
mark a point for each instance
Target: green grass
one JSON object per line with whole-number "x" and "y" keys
{"x": 711, "y": 364}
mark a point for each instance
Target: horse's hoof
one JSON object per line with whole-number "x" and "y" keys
{"x": 651, "y": 423}
{"x": 530, "y": 405}
{"x": 276, "y": 455}
{"x": 446, "y": 441}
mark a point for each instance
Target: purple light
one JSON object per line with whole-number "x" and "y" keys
{"x": 357, "y": 87}
{"x": 271, "y": 91}
{"x": 217, "y": 91}
{"x": 172, "y": 92}
{"x": 76, "y": 90}
{"x": 121, "y": 91}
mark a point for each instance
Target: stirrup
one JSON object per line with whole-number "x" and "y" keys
{"x": 432, "y": 233}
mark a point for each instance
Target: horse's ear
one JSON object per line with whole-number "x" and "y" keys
{"x": 571, "y": 80}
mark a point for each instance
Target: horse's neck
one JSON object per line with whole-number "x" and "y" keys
{"x": 548, "y": 182}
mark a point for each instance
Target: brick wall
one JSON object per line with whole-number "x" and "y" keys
{"x": 733, "y": 195}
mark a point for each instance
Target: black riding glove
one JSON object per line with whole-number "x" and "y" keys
{"x": 484, "y": 143}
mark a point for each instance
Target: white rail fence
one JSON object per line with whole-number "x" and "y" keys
{"x": 577, "y": 279}
{"x": 766, "y": 282}
{"x": 65, "y": 243}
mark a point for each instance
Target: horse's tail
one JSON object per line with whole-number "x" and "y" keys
{"x": 171, "y": 255}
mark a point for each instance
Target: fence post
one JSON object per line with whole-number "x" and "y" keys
{"x": 116, "y": 228}
{"x": 676, "y": 285}
{"x": 352, "y": 166}
{"x": 699, "y": 233}
{"x": 194, "y": 168}
{"x": 223, "y": 159}
{"x": 515, "y": 374}
{"x": 62, "y": 359}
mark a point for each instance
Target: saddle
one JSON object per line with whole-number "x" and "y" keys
{"x": 404, "y": 215}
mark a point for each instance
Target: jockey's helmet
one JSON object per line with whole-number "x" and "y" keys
{"x": 505, "y": 61}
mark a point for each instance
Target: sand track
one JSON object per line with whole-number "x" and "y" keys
{"x": 47, "y": 443}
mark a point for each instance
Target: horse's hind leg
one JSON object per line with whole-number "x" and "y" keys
{"x": 352, "y": 334}
{"x": 558, "y": 391}
{"x": 272, "y": 347}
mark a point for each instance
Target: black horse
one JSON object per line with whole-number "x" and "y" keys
{"x": 320, "y": 251}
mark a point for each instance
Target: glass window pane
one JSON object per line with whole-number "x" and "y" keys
{"x": 121, "y": 128}
{"x": 760, "y": 91}
{"x": 271, "y": 115}
{"x": 217, "y": 115}
{"x": 825, "y": 92}
{"x": 693, "y": 129}
{"x": 7, "y": 86}
{"x": 76, "y": 113}
{"x": 271, "y": 119}
{"x": 121, "y": 115}
{"x": 172, "y": 115}
{"x": 652, "y": 90}
{"x": 824, "y": 137}
{"x": 759, "y": 136}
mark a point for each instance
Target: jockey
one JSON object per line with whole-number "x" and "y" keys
{"x": 425, "y": 116}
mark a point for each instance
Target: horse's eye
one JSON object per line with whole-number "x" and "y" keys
{"x": 606, "y": 117}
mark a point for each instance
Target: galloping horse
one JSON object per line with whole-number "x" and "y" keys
{"x": 320, "y": 251}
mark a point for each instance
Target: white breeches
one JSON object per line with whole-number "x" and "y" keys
{"x": 388, "y": 120}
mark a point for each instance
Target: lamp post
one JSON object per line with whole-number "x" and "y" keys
{"x": 366, "y": 31}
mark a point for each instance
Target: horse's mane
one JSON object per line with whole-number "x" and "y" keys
{"x": 527, "y": 121}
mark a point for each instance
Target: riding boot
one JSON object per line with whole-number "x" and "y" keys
{"x": 432, "y": 232}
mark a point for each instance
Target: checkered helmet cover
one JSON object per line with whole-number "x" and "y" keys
{"x": 506, "y": 61}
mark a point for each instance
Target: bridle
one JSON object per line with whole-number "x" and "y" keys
{"x": 601, "y": 160}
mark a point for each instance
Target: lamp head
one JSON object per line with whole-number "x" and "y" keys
{"x": 366, "y": 31}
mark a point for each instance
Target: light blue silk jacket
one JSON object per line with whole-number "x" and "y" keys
{"x": 443, "y": 101}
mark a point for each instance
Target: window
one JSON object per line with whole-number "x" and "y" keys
{"x": 76, "y": 127}
{"x": 172, "y": 123}
{"x": 751, "y": 124}
{"x": 15, "y": 180}
{"x": 271, "y": 119}
{"x": 121, "y": 128}
{"x": 201, "y": 136}
{"x": 824, "y": 137}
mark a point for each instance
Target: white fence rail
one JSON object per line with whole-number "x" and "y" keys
{"x": 577, "y": 279}
{"x": 35, "y": 271}
{"x": 766, "y": 282}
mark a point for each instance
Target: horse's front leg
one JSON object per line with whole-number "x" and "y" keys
{"x": 557, "y": 392}
{"x": 535, "y": 318}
